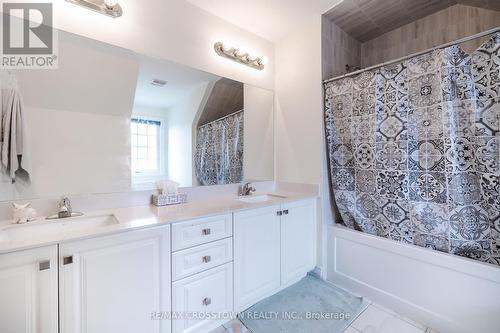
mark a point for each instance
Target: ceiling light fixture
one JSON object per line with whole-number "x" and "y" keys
{"x": 242, "y": 57}
{"x": 107, "y": 7}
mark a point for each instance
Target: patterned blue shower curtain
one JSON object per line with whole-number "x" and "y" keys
{"x": 414, "y": 151}
{"x": 219, "y": 151}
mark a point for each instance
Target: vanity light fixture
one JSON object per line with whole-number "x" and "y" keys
{"x": 246, "y": 58}
{"x": 107, "y": 7}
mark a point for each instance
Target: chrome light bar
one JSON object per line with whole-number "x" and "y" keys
{"x": 107, "y": 7}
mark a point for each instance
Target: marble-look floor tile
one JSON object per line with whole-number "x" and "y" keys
{"x": 220, "y": 329}
{"x": 350, "y": 329}
{"x": 376, "y": 320}
{"x": 236, "y": 326}
{"x": 408, "y": 320}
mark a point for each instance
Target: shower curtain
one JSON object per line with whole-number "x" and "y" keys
{"x": 219, "y": 151}
{"x": 413, "y": 151}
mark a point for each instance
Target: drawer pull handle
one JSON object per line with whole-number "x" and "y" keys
{"x": 207, "y": 301}
{"x": 206, "y": 232}
{"x": 44, "y": 265}
{"x": 207, "y": 259}
{"x": 285, "y": 212}
{"x": 68, "y": 260}
{"x": 279, "y": 213}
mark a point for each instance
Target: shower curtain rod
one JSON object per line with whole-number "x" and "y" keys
{"x": 229, "y": 115}
{"x": 442, "y": 46}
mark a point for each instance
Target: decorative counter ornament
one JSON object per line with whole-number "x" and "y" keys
{"x": 23, "y": 213}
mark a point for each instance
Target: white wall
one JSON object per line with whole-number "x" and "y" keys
{"x": 258, "y": 135}
{"x": 170, "y": 29}
{"x": 180, "y": 135}
{"x": 78, "y": 121}
{"x": 299, "y": 105}
{"x": 299, "y": 109}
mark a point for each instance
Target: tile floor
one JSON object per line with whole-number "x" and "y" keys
{"x": 373, "y": 319}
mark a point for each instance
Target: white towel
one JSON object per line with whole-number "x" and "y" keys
{"x": 14, "y": 156}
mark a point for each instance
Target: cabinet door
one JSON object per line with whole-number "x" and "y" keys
{"x": 28, "y": 291}
{"x": 298, "y": 240}
{"x": 256, "y": 255}
{"x": 116, "y": 284}
{"x": 203, "y": 294}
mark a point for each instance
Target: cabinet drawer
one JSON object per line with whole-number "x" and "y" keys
{"x": 200, "y": 258}
{"x": 200, "y": 231}
{"x": 207, "y": 292}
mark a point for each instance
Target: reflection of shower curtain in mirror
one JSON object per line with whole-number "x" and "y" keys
{"x": 414, "y": 151}
{"x": 219, "y": 151}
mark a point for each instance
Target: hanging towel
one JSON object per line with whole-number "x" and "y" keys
{"x": 14, "y": 157}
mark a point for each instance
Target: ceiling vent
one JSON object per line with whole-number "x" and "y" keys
{"x": 158, "y": 82}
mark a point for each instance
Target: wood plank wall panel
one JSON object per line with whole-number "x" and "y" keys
{"x": 367, "y": 19}
{"x": 338, "y": 49}
{"x": 444, "y": 26}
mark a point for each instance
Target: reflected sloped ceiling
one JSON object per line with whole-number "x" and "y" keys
{"x": 225, "y": 98}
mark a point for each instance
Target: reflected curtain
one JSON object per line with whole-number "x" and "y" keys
{"x": 413, "y": 151}
{"x": 219, "y": 151}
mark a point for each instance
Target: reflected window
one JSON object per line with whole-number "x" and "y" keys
{"x": 145, "y": 140}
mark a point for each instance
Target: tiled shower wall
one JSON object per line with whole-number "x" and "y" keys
{"x": 339, "y": 48}
{"x": 442, "y": 27}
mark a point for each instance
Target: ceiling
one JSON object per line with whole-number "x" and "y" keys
{"x": 270, "y": 19}
{"x": 180, "y": 81}
{"x": 367, "y": 19}
{"x": 225, "y": 98}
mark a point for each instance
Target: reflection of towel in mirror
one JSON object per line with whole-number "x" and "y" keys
{"x": 14, "y": 157}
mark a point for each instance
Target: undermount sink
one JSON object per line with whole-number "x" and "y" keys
{"x": 43, "y": 228}
{"x": 260, "y": 198}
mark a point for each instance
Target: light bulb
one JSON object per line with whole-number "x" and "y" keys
{"x": 226, "y": 47}
{"x": 239, "y": 53}
{"x": 264, "y": 60}
{"x": 252, "y": 56}
{"x": 110, "y": 3}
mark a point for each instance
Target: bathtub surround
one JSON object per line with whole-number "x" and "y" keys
{"x": 413, "y": 151}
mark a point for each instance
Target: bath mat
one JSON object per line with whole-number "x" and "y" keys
{"x": 310, "y": 305}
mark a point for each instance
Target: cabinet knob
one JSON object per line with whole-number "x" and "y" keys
{"x": 67, "y": 260}
{"x": 207, "y": 259}
{"x": 285, "y": 212}
{"x": 206, "y": 232}
{"x": 44, "y": 265}
{"x": 279, "y": 213}
{"x": 207, "y": 301}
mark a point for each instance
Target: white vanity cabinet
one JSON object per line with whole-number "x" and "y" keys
{"x": 116, "y": 284}
{"x": 28, "y": 291}
{"x": 256, "y": 255}
{"x": 298, "y": 240}
{"x": 202, "y": 273}
{"x": 273, "y": 247}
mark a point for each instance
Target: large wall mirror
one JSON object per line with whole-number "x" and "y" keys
{"x": 111, "y": 120}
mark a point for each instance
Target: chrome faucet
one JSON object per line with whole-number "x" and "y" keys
{"x": 246, "y": 189}
{"x": 65, "y": 210}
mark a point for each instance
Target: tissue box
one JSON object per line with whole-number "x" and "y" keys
{"x": 169, "y": 199}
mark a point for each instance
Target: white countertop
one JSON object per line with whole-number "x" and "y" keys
{"x": 137, "y": 217}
